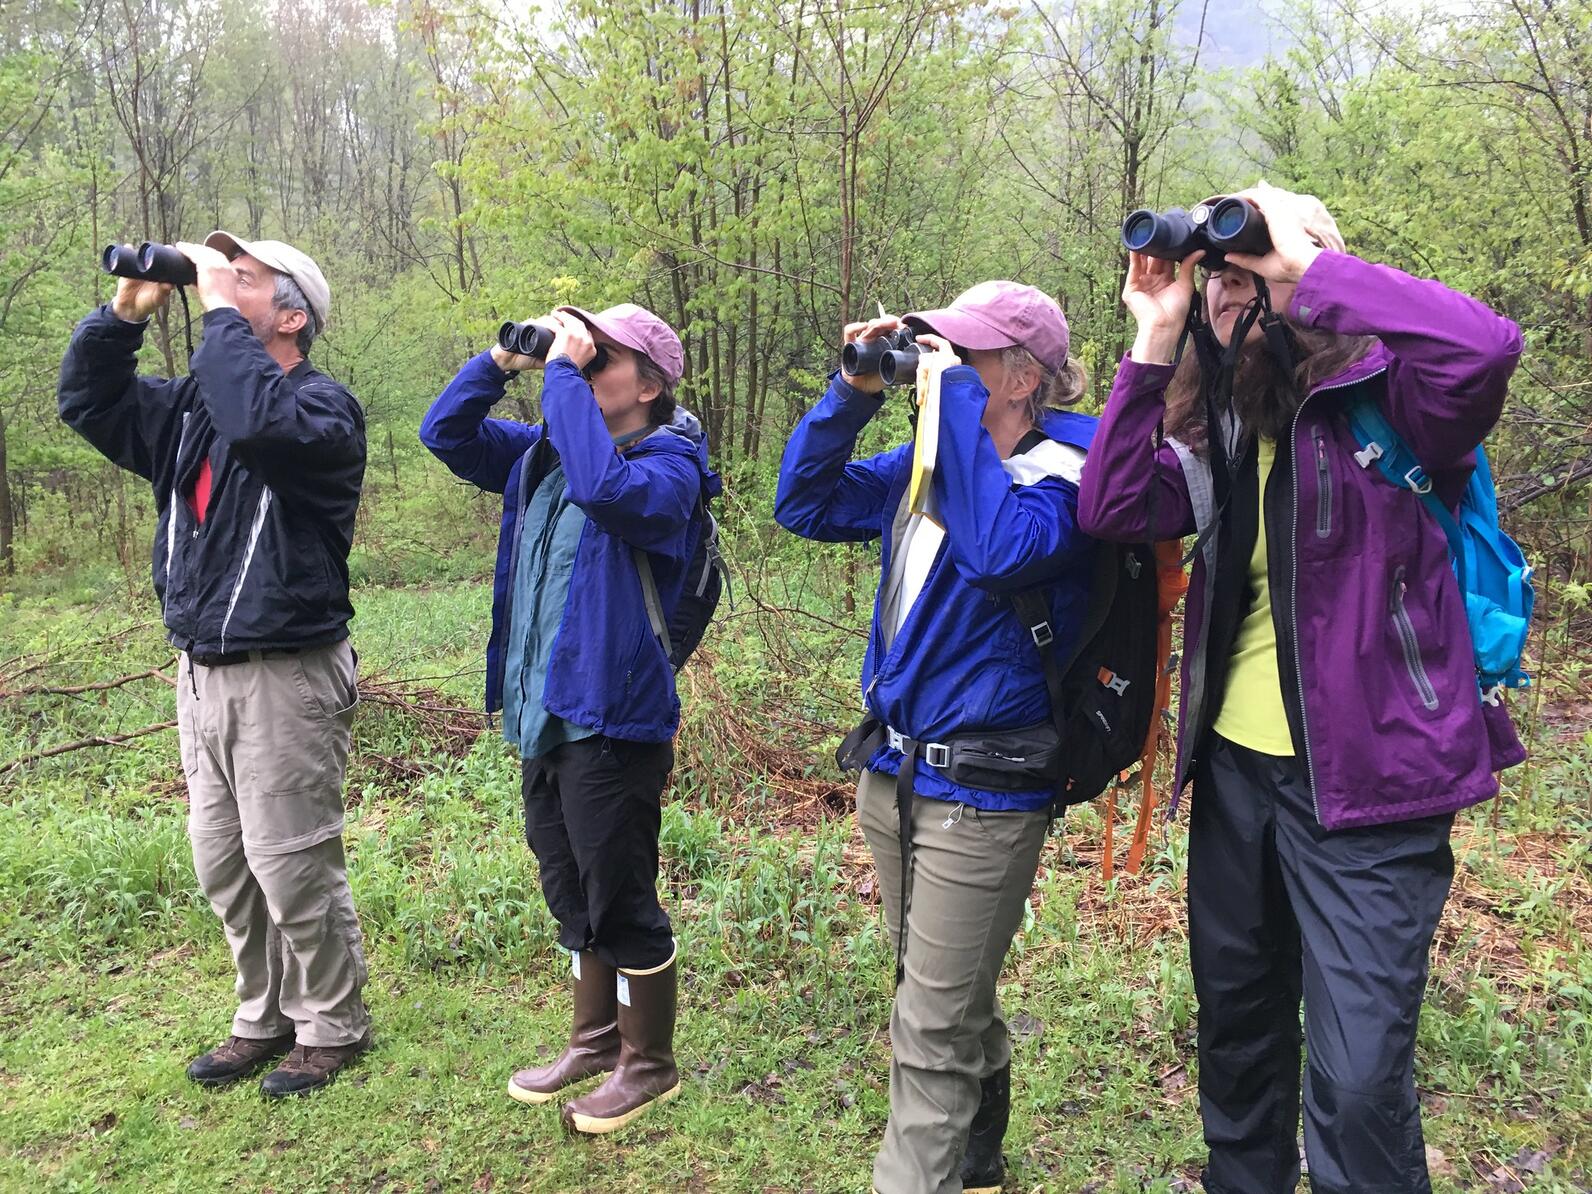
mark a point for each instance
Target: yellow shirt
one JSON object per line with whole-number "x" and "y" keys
{"x": 1252, "y": 712}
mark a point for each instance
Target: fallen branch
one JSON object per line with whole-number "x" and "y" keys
{"x": 84, "y": 743}
{"x": 153, "y": 673}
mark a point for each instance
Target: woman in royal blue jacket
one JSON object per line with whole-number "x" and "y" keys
{"x": 584, "y": 684}
{"x": 1330, "y": 716}
{"x": 948, "y": 661}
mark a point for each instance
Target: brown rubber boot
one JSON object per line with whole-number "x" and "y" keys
{"x": 645, "y": 1074}
{"x": 593, "y": 1040}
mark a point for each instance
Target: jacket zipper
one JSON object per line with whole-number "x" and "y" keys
{"x": 1323, "y": 489}
{"x": 1293, "y": 591}
{"x": 1408, "y": 641}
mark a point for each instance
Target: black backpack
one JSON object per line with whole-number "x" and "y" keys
{"x": 1102, "y": 696}
{"x": 706, "y": 578}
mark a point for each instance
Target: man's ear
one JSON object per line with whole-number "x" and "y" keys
{"x": 290, "y": 321}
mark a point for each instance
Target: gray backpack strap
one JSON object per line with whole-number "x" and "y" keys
{"x": 649, "y": 597}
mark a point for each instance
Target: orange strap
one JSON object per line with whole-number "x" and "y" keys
{"x": 1173, "y": 583}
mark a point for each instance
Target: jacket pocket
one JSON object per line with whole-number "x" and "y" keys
{"x": 1323, "y": 488}
{"x": 1409, "y": 643}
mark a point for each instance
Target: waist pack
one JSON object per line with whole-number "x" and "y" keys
{"x": 1491, "y": 569}
{"x": 1020, "y": 760}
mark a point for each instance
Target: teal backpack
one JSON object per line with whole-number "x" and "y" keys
{"x": 1492, "y": 573}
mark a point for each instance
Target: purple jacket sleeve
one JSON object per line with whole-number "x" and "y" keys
{"x": 1001, "y": 537}
{"x": 646, "y": 500}
{"x": 1126, "y": 483}
{"x": 1453, "y": 356}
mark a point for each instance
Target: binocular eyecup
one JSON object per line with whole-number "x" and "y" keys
{"x": 893, "y": 356}
{"x": 150, "y": 262}
{"x": 1227, "y": 225}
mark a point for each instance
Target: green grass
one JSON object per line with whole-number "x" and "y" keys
{"x": 113, "y": 970}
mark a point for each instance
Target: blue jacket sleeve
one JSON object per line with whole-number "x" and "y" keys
{"x": 133, "y": 421}
{"x": 824, "y": 494}
{"x": 458, "y": 432}
{"x": 1001, "y": 537}
{"x": 646, "y": 499}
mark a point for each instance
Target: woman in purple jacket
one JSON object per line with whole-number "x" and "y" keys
{"x": 1330, "y": 716}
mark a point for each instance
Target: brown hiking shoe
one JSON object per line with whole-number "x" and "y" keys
{"x": 309, "y": 1067}
{"x": 237, "y": 1057}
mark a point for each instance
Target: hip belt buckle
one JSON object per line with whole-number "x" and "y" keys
{"x": 935, "y": 754}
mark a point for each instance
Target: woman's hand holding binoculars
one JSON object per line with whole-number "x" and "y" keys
{"x": 570, "y": 338}
{"x": 856, "y": 333}
{"x": 1297, "y": 234}
{"x": 1157, "y": 294}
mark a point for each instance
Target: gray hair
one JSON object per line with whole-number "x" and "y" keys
{"x": 1055, "y": 389}
{"x": 288, "y": 297}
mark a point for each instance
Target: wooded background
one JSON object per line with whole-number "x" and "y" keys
{"x": 758, "y": 174}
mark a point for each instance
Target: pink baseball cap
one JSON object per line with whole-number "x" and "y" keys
{"x": 640, "y": 330}
{"x": 1002, "y": 315}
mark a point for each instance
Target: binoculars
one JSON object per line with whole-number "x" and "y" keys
{"x": 1221, "y": 226}
{"x": 893, "y": 356}
{"x": 526, "y": 339}
{"x": 535, "y": 340}
{"x": 150, "y": 262}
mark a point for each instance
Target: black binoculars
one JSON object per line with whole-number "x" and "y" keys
{"x": 526, "y": 339}
{"x": 150, "y": 262}
{"x": 1221, "y": 226}
{"x": 893, "y": 356}
{"x": 535, "y": 340}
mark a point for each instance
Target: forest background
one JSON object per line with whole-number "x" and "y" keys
{"x": 758, "y": 174}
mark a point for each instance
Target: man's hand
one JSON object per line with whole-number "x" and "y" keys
{"x": 218, "y": 281}
{"x": 136, "y": 301}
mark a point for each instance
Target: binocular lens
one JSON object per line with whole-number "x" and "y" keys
{"x": 899, "y": 366}
{"x": 1229, "y": 219}
{"x": 1138, "y": 230}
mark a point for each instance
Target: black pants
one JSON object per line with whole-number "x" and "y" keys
{"x": 1280, "y": 908}
{"x": 592, "y": 812}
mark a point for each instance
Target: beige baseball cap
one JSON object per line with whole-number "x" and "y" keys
{"x": 285, "y": 259}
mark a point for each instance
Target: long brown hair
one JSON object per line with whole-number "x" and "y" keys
{"x": 1264, "y": 400}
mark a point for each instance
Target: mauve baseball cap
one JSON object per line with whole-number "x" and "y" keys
{"x": 1002, "y": 315}
{"x": 640, "y": 330}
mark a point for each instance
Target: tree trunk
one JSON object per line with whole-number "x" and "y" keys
{"x": 7, "y": 514}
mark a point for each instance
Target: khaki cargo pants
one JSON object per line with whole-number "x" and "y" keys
{"x": 264, "y": 747}
{"x": 972, "y": 872}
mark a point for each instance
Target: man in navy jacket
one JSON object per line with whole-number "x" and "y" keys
{"x": 950, "y": 666}
{"x": 256, "y": 461}
{"x": 609, "y": 484}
